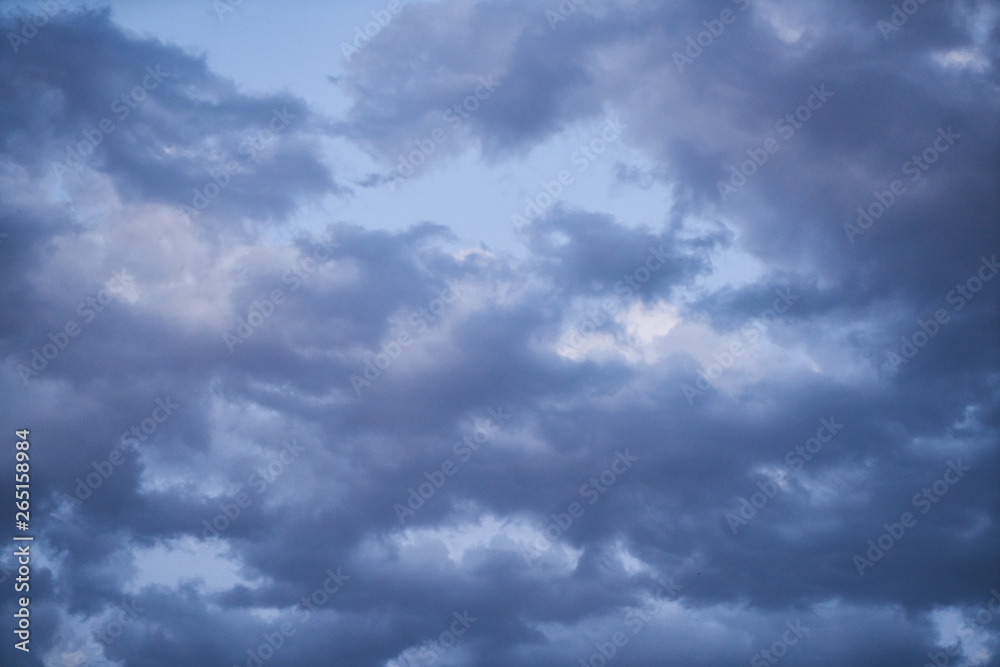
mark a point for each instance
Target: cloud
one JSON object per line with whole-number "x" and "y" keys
{"x": 445, "y": 333}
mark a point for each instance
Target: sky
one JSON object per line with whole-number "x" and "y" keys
{"x": 500, "y": 333}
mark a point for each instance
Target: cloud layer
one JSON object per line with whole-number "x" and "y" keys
{"x": 342, "y": 446}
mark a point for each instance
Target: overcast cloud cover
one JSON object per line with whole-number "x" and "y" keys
{"x": 514, "y": 334}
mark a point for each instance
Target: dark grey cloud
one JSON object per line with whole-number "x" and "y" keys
{"x": 157, "y": 121}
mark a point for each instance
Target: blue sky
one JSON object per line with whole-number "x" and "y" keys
{"x": 583, "y": 333}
